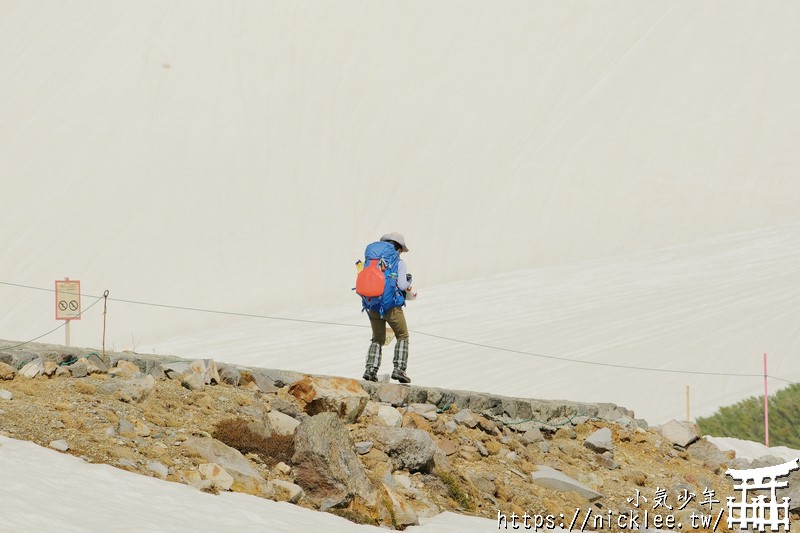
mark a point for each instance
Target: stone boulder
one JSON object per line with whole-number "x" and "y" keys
{"x": 254, "y": 380}
{"x": 712, "y": 457}
{"x": 230, "y": 375}
{"x": 130, "y": 391}
{"x": 551, "y": 478}
{"x": 600, "y": 441}
{"x": 281, "y": 424}
{"x": 342, "y": 396}
{"x": 403, "y": 514}
{"x": 286, "y": 492}
{"x": 326, "y": 465}
{"x": 215, "y": 477}
{"x": 409, "y": 449}
{"x": 94, "y": 365}
{"x": 6, "y": 395}
{"x": 7, "y": 371}
{"x": 50, "y": 369}
{"x": 124, "y": 369}
{"x": 246, "y": 478}
{"x": 393, "y": 394}
{"x": 680, "y": 433}
{"x": 78, "y": 369}
{"x": 32, "y": 369}
{"x": 192, "y": 381}
{"x": 389, "y": 416}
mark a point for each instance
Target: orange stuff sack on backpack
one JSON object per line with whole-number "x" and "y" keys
{"x": 370, "y": 281}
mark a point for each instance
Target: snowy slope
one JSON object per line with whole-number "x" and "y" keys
{"x": 43, "y": 491}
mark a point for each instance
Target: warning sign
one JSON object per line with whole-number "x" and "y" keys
{"x": 68, "y": 299}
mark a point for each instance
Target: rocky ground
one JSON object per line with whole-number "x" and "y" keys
{"x": 374, "y": 453}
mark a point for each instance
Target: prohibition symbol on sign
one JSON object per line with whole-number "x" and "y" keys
{"x": 68, "y": 299}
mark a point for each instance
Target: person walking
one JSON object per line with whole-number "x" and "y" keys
{"x": 388, "y": 307}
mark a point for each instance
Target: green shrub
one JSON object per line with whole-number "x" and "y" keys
{"x": 745, "y": 420}
{"x": 454, "y": 490}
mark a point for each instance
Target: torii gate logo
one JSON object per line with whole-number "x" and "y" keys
{"x": 759, "y": 512}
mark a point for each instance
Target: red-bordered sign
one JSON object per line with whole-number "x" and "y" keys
{"x": 68, "y": 299}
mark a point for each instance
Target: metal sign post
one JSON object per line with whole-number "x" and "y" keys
{"x": 68, "y": 302}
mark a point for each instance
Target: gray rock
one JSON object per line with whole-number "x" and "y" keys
{"x": 158, "y": 469}
{"x": 32, "y": 369}
{"x": 624, "y": 421}
{"x": 338, "y": 395}
{"x": 192, "y": 381}
{"x": 533, "y": 435}
{"x": 125, "y": 370}
{"x": 176, "y": 368}
{"x": 553, "y": 479}
{"x": 288, "y": 408}
{"x": 411, "y": 449}
{"x": 326, "y": 465}
{"x": 422, "y": 408}
{"x": 393, "y": 394}
{"x": 247, "y": 479}
{"x": 259, "y": 380}
{"x": 126, "y": 429}
{"x": 130, "y": 391}
{"x": 402, "y": 512}
{"x": 214, "y": 476}
{"x": 230, "y": 375}
{"x": 60, "y": 445}
{"x": 6, "y": 395}
{"x": 606, "y": 461}
{"x": 389, "y": 416}
{"x": 451, "y": 426}
{"x": 465, "y": 417}
{"x": 680, "y": 433}
{"x": 97, "y": 362}
{"x": 711, "y": 456}
{"x": 153, "y": 368}
{"x": 363, "y": 448}
{"x": 7, "y": 371}
{"x": 481, "y": 448}
{"x": 281, "y": 424}
{"x": 483, "y": 481}
{"x": 78, "y": 369}
{"x": 286, "y": 492}
{"x": 600, "y": 441}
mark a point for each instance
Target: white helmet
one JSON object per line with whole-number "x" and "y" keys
{"x": 396, "y": 237}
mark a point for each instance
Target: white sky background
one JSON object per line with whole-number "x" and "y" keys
{"x": 636, "y": 160}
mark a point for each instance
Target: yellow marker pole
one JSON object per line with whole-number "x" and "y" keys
{"x": 688, "y": 417}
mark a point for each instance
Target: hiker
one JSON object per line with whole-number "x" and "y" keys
{"x": 387, "y": 308}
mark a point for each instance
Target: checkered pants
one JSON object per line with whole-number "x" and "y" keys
{"x": 374, "y": 356}
{"x": 401, "y": 354}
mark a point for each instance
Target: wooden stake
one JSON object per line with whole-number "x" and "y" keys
{"x": 766, "y": 405}
{"x": 688, "y": 414}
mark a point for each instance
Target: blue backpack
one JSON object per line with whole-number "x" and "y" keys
{"x": 384, "y": 255}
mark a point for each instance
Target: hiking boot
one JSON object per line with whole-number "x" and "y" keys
{"x": 371, "y": 374}
{"x": 400, "y": 375}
